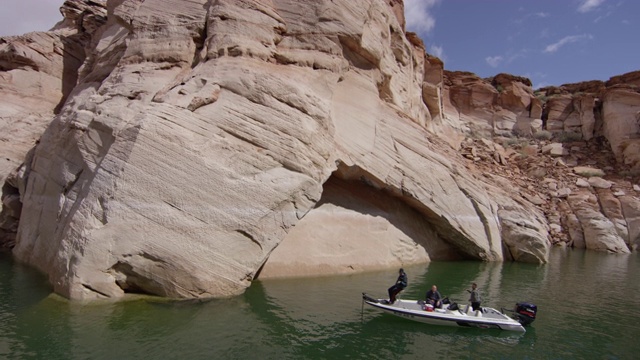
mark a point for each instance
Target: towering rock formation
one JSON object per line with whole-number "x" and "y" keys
{"x": 38, "y": 71}
{"x": 201, "y": 140}
{"x": 588, "y": 121}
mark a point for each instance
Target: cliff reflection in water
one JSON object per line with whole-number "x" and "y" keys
{"x": 589, "y": 307}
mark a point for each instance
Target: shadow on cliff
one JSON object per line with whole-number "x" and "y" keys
{"x": 72, "y": 58}
{"x": 363, "y": 198}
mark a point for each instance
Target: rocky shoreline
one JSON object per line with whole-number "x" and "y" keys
{"x": 588, "y": 201}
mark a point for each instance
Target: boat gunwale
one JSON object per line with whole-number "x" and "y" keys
{"x": 452, "y": 317}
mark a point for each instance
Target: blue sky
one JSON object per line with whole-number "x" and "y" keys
{"x": 552, "y": 42}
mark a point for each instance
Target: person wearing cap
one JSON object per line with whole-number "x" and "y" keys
{"x": 400, "y": 284}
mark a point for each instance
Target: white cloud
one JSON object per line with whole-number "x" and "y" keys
{"x": 512, "y": 56}
{"x": 566, "y": 40}
{"x": 493, "y": 61}
{"x": 437, "y": 51}
{"x": 524, "y": 18}
{"x": 541, "y": 84}
{"x": 418, "y": 16}
{"x": 588, "y": 5}
{"x": 544, "y": 33}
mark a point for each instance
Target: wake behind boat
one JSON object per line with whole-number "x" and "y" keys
{"x": 450, "y": 314}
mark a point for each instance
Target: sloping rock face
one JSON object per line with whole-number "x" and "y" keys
{"x": 200, "y": 133}
{"x": 599, "y": 231}
{"x": 586, "y": 207}
{"x": 594, "y": 109}
{"x": 501, "y": 105}
{"x": 37, "y": 73}
{"x": 621, "y": 108}
{"x": 593, "y": 125}
{"x": 505, "y": 105}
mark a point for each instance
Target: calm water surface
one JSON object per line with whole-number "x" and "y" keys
{"x": 588, "y": 303}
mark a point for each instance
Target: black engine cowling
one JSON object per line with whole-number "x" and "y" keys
{"x": 526, "y": 312}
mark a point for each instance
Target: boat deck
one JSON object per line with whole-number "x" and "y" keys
{"x": 464, "y": 316}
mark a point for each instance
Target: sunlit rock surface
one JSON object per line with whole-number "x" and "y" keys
{"x": 198, "y": 135}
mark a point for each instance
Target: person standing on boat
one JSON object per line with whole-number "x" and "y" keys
{"x": 474, "y": 298}
{"x": 433, "y": 297}
{"x": 400, "y": 284}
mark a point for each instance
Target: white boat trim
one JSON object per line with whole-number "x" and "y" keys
{"x": 410, "y": 309}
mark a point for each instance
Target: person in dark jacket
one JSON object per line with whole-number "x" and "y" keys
{"x": 433, "y": 297}
{"x": 474, "y": 298}
{"x": 400, "y": 284}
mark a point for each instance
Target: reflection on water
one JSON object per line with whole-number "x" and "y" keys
{"x": 589, "y": 304}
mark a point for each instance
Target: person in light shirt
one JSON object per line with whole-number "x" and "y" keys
{"x": 433, "y": 297}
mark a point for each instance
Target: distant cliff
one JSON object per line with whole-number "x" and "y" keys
{"x": 573, "y": 150}
{"x": 184, "y": 148}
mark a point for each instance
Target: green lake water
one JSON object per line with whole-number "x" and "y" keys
{"x": 588, "y": 308}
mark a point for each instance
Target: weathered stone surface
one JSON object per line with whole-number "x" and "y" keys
{"x": 621, "y": 109}
{"x": 503, "y": 105}
{"x": 558, "y": 108}
{"x": 515, "y": 93}
{"x": 599, "y": 232}
{"x": 555, "y": 149}
{"x": 631, "y": 210}
{"x": 612, "y": 209}
{"x": 38, "y": 71}
{"x": 576, "y": 235}
{"x": 630, "y": 78}
{"x": 573, "y": 117}
{"x": 536, "y": 109}
{"x": 598, "y": 182}
{"x": 588, "y": 171}
{"x": 581, "y": 182}
{"x": 520, "y": 237}
{"x": 202, "y": 141}
{"x": 584, "y": 106}
{"x": 200, "y": 133}
{"x": 432, "y": 87}
{"x": 350, "y": 227}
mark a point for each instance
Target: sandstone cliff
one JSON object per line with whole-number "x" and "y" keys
{"x": 572, "y": 150}
{"x": 38, "y": 71}
{"x": 196, "y": 143}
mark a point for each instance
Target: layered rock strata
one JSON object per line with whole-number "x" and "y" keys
{"x": 585, "y": 206}
{"x": 38, "y": 71}
{"x": 199, "y": 133}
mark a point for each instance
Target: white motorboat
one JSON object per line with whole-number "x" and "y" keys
{"x": 452, "y": 315}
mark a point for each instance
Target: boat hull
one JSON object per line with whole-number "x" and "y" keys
{"x": 487, "y": 318}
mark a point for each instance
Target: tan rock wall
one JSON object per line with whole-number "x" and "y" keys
{"x": 39, "y": 71}
{"x": 202, "y": 132}
{"x": 620, "y": 110}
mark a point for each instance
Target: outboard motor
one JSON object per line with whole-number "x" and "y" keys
{"x": 526, "y": 313}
